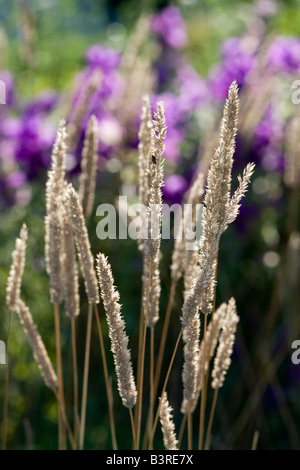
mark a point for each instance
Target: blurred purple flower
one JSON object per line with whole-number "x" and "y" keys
{"x": 236, "y": 64}
{"x": 193, "y": 90}
{"x": 175, "y": 186}
{"x": 170, "y": 27}
{"x": 284, "y": 54}
{"x": 34, "y": 145}
{"x": 16, "y": 179}
{"x": 43, "y": 103}
{"x": 104, "y": 57}
{"x": 11, "y": 127}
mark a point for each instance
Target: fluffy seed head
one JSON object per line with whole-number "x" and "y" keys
{"x": 167, "y": 425}
{"x": 83, "y": 245}
{"x": 222, "y": 360}
{"x": 39, "y": 351}
{"x": 119, "y": 340}
{"x": 89, "y": 167}
{"x": 16, "y": 271}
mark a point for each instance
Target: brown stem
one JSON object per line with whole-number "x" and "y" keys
{"x": 66, "y": 422}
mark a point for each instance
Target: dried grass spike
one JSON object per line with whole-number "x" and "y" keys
{"x": 89, "y": 167}
{"x": 83, "y": 246}
{"x": 167, "y": 425}
{"x": 16, "y": 271}
{"x": 70, "y": 267}
{"x": 39, "y": 351}
{"x": 119, "y": 340}
{"x": 222, "y": 360}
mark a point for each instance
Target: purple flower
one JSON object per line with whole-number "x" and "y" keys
{"x": 173, "y": 140}
{"x": 284, "y": 55}
{"x": 44, "y": 103}
{"x": 174, "y": 187}
{"x": 34, "y": 145}
{"x": 236, "y": 64}
{"x": 170, "y": 27}
{"x": 104, "y": 57}
{"x": 193, "y": 90}
{"x": 16, "y": 179}
{"x": 11, "y": 127}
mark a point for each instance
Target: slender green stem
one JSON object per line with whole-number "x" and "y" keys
{"x": 85, "y": 376}
{"x": 151, "y": 407}
{"x": 164, "y": 338}
{"x": 190, "y": 429}
{"x": 6, "y": 385}
{"x": 181, "y": 430}
{"x": 255, "y": 440}
{"x": 164, "y": 389}
{"x": 107, "y": 384}
{"x": 61, "y": 400}
{"x": 203, "y": 395}
{"x": 160, "y": 356}
{"x": 66, "y": 422}
{"x": 141, "y": 378}
{"x": 139, "y": 358}
{"x": 211, "y": 418}
{"x": 75, "y": 380}
{"x": 132, "y": 428}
